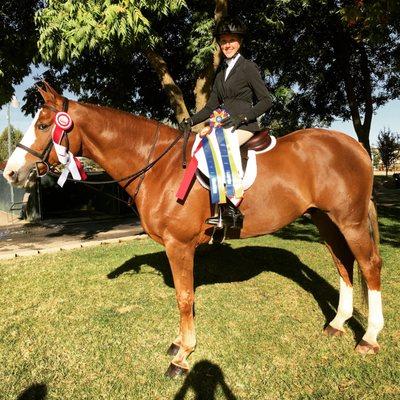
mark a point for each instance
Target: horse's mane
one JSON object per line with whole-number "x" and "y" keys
{"x": 126, "y": 115}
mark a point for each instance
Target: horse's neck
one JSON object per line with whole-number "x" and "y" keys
{"x": 119, "y": 142}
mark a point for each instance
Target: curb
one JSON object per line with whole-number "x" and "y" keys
{"x": 70, "y": 246}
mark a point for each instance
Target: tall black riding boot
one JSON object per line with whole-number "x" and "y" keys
{"x": 229, "y": 215}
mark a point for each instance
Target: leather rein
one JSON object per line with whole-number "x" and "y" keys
{"x": 44, "y": 155}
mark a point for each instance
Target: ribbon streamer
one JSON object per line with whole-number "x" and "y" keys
{"x": 219, "y": 134}
{"x": 63, "y": 122}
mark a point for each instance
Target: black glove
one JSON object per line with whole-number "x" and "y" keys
{"x": 185, "y": 124}
{"x": 236, "y": 121}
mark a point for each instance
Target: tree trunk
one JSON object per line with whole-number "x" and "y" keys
{"x": 173, "y": 91}
{"x": 203, "y": 86}
{"x": 343, "y": 49}
{"x": 363, "y": 137}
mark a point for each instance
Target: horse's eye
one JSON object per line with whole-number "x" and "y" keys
{"x": 42, "y": 127}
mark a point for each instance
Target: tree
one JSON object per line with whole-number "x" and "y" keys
{"x": 17, "y": 43}
{"x": 321, "y": 62}
{"x": 325, "y": 64}
{"x": 16, "y": 136}
{"x": 69, "y": 30}
{"x": 389, "y": 147}
{"x": 376, "y": 158}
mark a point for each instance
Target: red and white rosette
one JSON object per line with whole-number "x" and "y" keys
{"x": 63, "y": 123}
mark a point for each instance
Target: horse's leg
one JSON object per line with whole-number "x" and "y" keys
{"x": 181, "y": 259}
{"x": 344, "y": 261}
{"x": 363, "y": 241}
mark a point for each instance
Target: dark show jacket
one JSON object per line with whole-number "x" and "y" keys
{"x": 236, "y": 94}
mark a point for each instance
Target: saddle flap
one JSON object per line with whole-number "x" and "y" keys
{"x": 260, "y": 141}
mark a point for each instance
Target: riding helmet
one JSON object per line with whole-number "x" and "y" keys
{"x": 229, "y": 25}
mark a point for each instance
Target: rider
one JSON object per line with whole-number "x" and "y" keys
{"x": 236, "y": 84}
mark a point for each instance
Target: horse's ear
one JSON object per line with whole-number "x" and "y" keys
{"x": 47, "y": 96}
{"x": 50, "y": 89}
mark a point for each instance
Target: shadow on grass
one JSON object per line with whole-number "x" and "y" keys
{"x": 89, "y": 229}
{"x": 222, "y": 264}
{"x": 302, "y": 229}
{"x": 37, "y": 391}
{"x": 204, "y": 379}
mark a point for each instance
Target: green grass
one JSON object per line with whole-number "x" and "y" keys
{"x": 95, "y": 323}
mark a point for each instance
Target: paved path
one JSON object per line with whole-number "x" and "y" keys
{"x": 19, "y": 238}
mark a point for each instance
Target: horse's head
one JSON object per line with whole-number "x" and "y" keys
{"x": 35, "y": 151}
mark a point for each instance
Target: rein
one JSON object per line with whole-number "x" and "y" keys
{"x": 135, "y": 175}
{"x": 130, "y": 178}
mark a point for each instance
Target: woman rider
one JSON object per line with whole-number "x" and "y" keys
{"x": 236, "y": 84}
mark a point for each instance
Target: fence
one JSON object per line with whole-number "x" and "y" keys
{"x": 47, "y": 200}
{"x": 5, "y": 194}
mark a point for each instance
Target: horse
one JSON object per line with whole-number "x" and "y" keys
{"x": 324, "y": 173}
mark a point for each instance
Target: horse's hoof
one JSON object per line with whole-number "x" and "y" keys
{"x": 331, "y": 331}
{"x": 173, "y": 350}
{"x": 174, "y": 371}
{"x": 366, "y": 348}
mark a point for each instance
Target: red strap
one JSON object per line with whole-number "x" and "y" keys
{"x": 80, "y": 169}
{"x": 57, "y": 134}
{"x": 188, "y": 176}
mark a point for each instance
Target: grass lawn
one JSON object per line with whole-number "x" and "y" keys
{"x": 96, "y": 323}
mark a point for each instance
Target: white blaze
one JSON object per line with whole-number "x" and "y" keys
{"x": 17, "y": 159}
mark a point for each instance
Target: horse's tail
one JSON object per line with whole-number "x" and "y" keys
{"x": 375, "y": 238}
{"x": 373, "y": 224}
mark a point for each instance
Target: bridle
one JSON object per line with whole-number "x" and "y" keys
{"x": 44, "y": 155}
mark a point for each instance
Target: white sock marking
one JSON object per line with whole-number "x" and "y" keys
{"x": 345, "y": 307}
{"x": 375, "y": 316}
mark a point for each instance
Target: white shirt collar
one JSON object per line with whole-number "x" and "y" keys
{"x": 230, "y": 62}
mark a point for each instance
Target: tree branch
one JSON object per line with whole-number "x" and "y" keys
{"x": 173, "y": 91}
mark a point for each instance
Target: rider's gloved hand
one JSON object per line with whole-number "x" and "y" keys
{"x": 185, "y": 124}
{"x": 236, "y": 121}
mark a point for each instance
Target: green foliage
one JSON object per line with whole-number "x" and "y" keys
{"x": 201, "y": 45}
{"x": 316, "y": 60}
{"x": 17, "y": 43}
{"x": 95, "y": 323}
{"x": 376, "y": 158}
{"x": 389, "y": 147}
{"x": 16, "y": 136}
{"x": 329, "y": 64}
{"x": 68, "y": 28}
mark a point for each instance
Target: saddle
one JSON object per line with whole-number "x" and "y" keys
{"x": 258, "y": 142}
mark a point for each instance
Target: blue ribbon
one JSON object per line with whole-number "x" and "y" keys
{"x": 219, "y": 133}
{"x": 211, "y": 170}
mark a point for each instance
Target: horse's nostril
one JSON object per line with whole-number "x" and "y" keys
{"x": 10, "y": 175}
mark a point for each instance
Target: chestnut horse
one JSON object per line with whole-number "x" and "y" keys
{"x": 324, "y": 173}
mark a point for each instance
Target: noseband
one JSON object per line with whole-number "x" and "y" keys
{"x": 44, "y": 155}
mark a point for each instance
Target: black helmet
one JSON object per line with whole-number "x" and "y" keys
{"x": 229, "y": 25}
